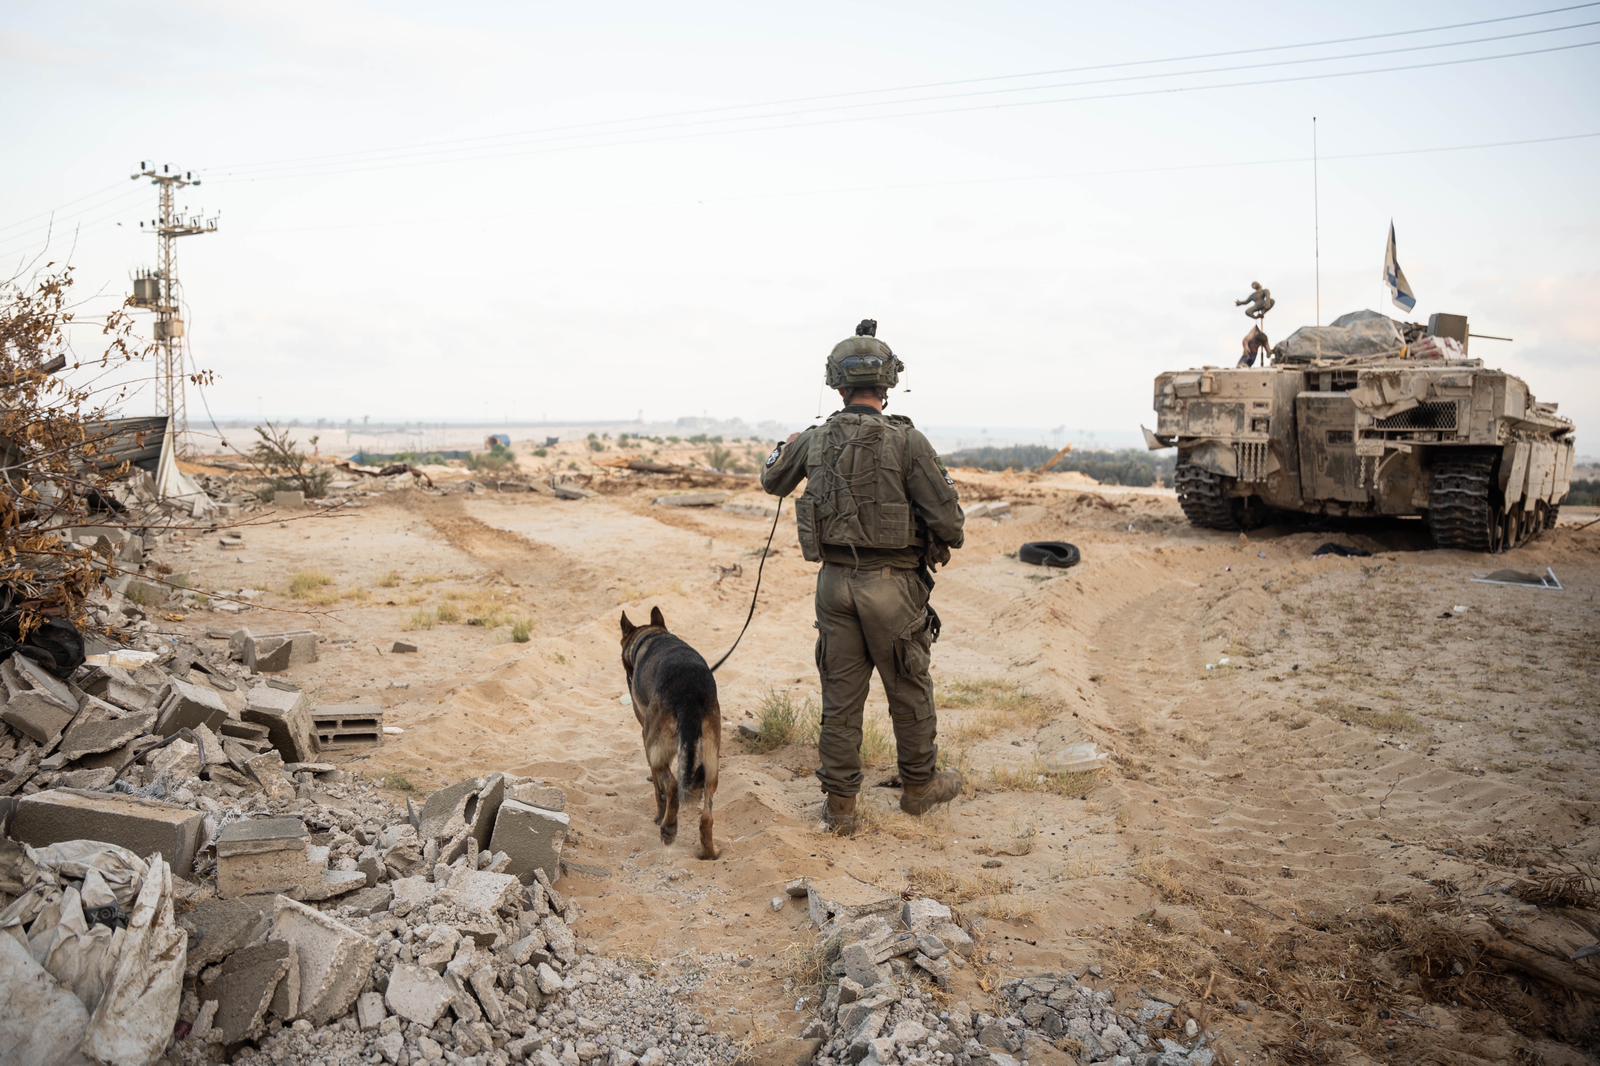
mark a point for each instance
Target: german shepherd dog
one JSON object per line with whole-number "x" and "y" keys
{"x": 675, "y": 699}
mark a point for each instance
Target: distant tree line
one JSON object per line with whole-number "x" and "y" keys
{"x": 1126, "y": 466}
{"x": 1585, "y": 492}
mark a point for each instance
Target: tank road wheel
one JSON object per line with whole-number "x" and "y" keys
{"x": 1462, "y": 499}
{"x": 1205, "y": 500}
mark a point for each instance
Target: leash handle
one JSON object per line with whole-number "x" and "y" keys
{"x": 754, "y": 595}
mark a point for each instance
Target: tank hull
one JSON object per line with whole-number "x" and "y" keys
{"x": 1367, "y": 437}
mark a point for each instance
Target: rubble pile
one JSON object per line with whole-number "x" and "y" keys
{"x": 886, "y": 962}
{"x": 178, "y": 860}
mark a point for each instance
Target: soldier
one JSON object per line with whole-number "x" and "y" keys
{"x": 878, "y": 512}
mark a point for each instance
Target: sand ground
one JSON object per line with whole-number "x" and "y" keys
{"x": 1387, "y": 743}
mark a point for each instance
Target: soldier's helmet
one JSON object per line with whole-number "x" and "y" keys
{"x": 863, "y": 361}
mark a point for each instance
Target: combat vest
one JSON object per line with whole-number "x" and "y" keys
{"x": 856, "y": 486}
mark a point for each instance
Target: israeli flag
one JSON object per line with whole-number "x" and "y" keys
{"x": 1399, "y": 288}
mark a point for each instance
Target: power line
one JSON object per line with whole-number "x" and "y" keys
{"x": 489, "y": 154}
{"x": 1010, "y": 179}
{"x": 591, "y": 125}
{"x": 50, "y": 213}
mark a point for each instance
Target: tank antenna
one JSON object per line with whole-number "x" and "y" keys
{"x": 1316, "y": 220}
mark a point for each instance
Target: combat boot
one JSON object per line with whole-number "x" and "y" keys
{"x": 942, "y": 787}
{"x": 839, "y": 815}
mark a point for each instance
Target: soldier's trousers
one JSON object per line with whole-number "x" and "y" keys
{"x": 866, "y": 619}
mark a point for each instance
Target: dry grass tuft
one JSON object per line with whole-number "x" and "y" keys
{"x": 781, "y": 721}
{"x": 952, "y": 888}
{"x": 1034, "y": 777}
{"x": 424, "y": 619}
{"x": 303, "y": 584}
{"x": 1161, "y": 876}
{"x": 448, "y": 613}
{"x": 805, "y": 964}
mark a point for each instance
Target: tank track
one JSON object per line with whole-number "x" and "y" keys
{"x": 1462, "y": 511}
{"x": 1204, "y": 498}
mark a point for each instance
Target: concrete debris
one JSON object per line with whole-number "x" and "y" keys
{"x": 282, "y": 711}
{"x": 242, "y": 987}
{"x": 335, "y": 960}
{"x": 838, "y": 900}
{"x": 348, "y": 725}
{"x": 532, "y": 836}
{"x": 418, "y": 994}
{"x": 189, "y": 705}
{"x": 142, "y": 826}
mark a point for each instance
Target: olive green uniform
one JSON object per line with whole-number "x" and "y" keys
{"x": 876, "y": 497}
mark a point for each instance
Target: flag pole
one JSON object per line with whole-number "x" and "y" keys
{"x": 1316, "y": 220}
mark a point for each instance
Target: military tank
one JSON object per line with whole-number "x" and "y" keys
{"x": 1368, "y": 416}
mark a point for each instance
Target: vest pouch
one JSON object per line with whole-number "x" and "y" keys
{"x": 805, "y": 521}
{"x": 894, "y": 527}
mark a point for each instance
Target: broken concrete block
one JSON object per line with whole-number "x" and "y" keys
{"x": 91, "y": 738}
{"x": 219, "y": 927}
{"x": 117, "y": 686}
{"x": 532, "y": 836}
{"x": 243, "y": 988}
{"x": 481, "y": 892}
{"x": 348, "y": 725}
{"x": 845, "y": 899}
{"x": 538, "y": 794}
{"x": 418, "y": 994}
{"x": 36, "y": 718}
{"x": 335, "y": 960}
{"x": 284, "y": 714}
{"x": 923, "y": 914}
{"x": 289, "y": 498}
{"x": 466, "y": 808}
{"x": 140, "y": 825}
{"x": 21, "y": 674}
{"x": 276, "y": 652}
{"x": 370, "y": 1011}
{"x": 264, "y": 855}
{"x": 188, "y": 705}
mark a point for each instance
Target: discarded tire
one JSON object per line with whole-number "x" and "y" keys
{"x": 1057, "y": 553}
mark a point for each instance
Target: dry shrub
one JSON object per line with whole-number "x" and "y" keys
{"x": 1558, "y": 888}
{"x": 52, "y": 455}
{"x": 781, "y": 720}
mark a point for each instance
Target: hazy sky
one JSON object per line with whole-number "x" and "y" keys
{"x": 533, "y": 210}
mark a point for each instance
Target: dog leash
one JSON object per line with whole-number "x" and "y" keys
{"x": 763, "y": 565}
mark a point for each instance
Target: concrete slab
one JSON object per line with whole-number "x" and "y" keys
{"x": 243, "y": 988}
{"x": 418, "y": 994}
{"x": 91, "y": 738}
{"x": 481, "y": 892}
{"x": 287, "y": 719}
{"x": 219, "y": 927}
{"x": 262, "y": 834}
{"x": 532, "y": 836}
{"x": 335, "y": 961}
{"x": 188, "y": 705}
{"x": 140, "y": 825}
{"x": 36, "y": 718}
{"x": 845, "y": 899}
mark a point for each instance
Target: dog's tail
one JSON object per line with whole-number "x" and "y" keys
{"x": 691, "y": 763}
